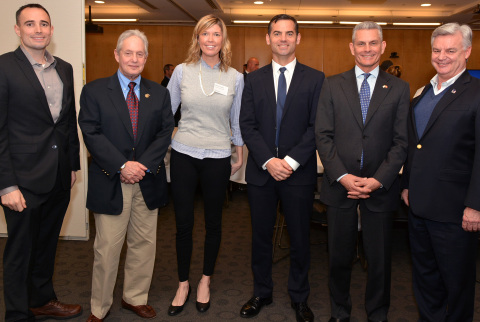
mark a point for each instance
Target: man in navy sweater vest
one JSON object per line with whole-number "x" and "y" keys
{"x": 441, "y": 181}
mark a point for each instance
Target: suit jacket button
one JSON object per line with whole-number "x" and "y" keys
{"x": 54, "y": 146}
{"x": 419, "y": 146}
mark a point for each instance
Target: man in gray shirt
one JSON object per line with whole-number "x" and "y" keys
{"x": 39, "y": 154}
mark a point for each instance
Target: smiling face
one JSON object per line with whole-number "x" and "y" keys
{"x": 283, "y": 40}
{"x": 210, "y": 41}
{"x": 34, "y": 29}
{"x": 132, "y": 57}
{"x": 448, "y": 56}
{"x": 367, "y": 49}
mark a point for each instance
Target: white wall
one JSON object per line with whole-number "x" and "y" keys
{"x": 68, "y": 43}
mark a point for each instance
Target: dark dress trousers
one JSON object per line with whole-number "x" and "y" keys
{"x": 108, "y": 134}
{"x": 442, "y": 175}
{"x": 258, "y": 123}
{"x": 37, "y": 155}
{"x": 341, "y": 136}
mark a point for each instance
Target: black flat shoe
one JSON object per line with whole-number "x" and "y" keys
{"x": 174, "y": 310}
{"x": 202, "y": 307}
{"x": 253, "y": 306}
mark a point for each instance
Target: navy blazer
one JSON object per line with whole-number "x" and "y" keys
{"x": 34, "y": 149}
{"x": 297, "y": 137}
{"x": 442, "y": 171}
{"x": 341, "y": 137}
{"x": 108, "y": 134}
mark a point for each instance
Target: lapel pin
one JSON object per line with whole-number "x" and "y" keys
{"x": 385, "y": 86}
{"x": 454, "y": 91}
{"x": 147, "y": 95}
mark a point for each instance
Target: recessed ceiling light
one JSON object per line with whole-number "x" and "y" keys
{"x": 99, "y": 1}
{"x": 114, "y": 20}
{"x": 258, "y": 2}
{"x": 425, "y": 5}
{"x": 416, "y": 24}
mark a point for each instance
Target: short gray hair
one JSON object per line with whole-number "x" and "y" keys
{"x": 129, "y": 33}
{"x": 451, "y": 29}
{"x": 367, "y": 25}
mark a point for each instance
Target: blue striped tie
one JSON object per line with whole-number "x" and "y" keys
{"x": 364, "y": 102}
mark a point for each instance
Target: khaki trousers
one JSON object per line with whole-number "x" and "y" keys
{"x": 140, "y": 225}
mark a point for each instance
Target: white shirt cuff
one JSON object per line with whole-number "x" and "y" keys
{"x": 292, "y": 163}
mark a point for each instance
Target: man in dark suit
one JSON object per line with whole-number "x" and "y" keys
{"x": 167, "y": 71}
{"x": 362, "y": 144}
{"x": 441, "y": 181}
{"x": 277, "y": 123}
{"x": 127, "y": 125}
{"x": 39, "y": 154}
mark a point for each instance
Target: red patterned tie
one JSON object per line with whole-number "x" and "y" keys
{"x": 132, "y": 103}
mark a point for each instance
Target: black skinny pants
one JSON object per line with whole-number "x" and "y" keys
{"x": 213, "y": 175}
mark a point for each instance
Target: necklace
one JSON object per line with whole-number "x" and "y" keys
{"x": 201, "y": 81}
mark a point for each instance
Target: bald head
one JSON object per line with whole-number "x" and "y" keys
{"x": 252, "y": 64}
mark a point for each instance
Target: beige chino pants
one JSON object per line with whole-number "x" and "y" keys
{"x": 139, "y": 224}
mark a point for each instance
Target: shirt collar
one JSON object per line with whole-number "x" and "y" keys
{"x": 290, "y": 66}
{"x": 204, "y": 64}
{"x": 434, "y": 80}
{"x": 48, "y": 58}
{"x": 124, "y": 81}
{"x": 359, "y": 72}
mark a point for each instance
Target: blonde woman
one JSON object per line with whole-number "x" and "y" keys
{"x": 210, "y": 93}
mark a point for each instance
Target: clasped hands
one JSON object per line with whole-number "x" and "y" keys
{"x": 359, "y": 188}
{"x": 279, "y": 169}
{"x": 133, "y": 172}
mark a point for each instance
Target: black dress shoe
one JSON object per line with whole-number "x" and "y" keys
{"x": 253, "y": 306}
{"x": 202, "y": 307}
{"x": 332, "y": 319}
{"x": 377, "y": 320}
{"x": 303, "y": 312}
{"x": 174, "y": 310}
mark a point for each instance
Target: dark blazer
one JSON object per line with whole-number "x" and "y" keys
{"x": 107, "y": 131}
{"x": 442, "y": 171}
{"x": 341, "y": 136}
{"x": 297, "y": 137}
{"x": 32, "y": 147}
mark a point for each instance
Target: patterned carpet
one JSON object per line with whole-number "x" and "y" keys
{"x": 232, "y": 282}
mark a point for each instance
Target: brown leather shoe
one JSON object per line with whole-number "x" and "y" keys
{"x": 57, "y": 310}
{"x": 93, "y": 318}
{"x": 144, "y": 311}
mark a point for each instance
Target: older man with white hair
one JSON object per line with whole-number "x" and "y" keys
{"x": 127, "y": 125}
{"x": 441, "y": 181}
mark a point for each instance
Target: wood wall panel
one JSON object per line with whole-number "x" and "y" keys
{"x": 236, "y": 36}
{"x": 256, "y": 45}
{"x": 311, "y": 48}
{"x": 336, "y": 52}
{"x": 176, "y": 42}
{"x": 417, "y": 67}
{"x": 323, "y": 49}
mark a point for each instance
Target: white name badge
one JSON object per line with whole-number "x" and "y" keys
{"x": 220, "y": 89}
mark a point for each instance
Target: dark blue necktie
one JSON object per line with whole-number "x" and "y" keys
{"x": 364, "y": 102}
{"x": 281, "y": 96}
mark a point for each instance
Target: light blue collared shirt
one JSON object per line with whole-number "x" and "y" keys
{"x": 372, "y": 79}
{"x": 124, "y": 81}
